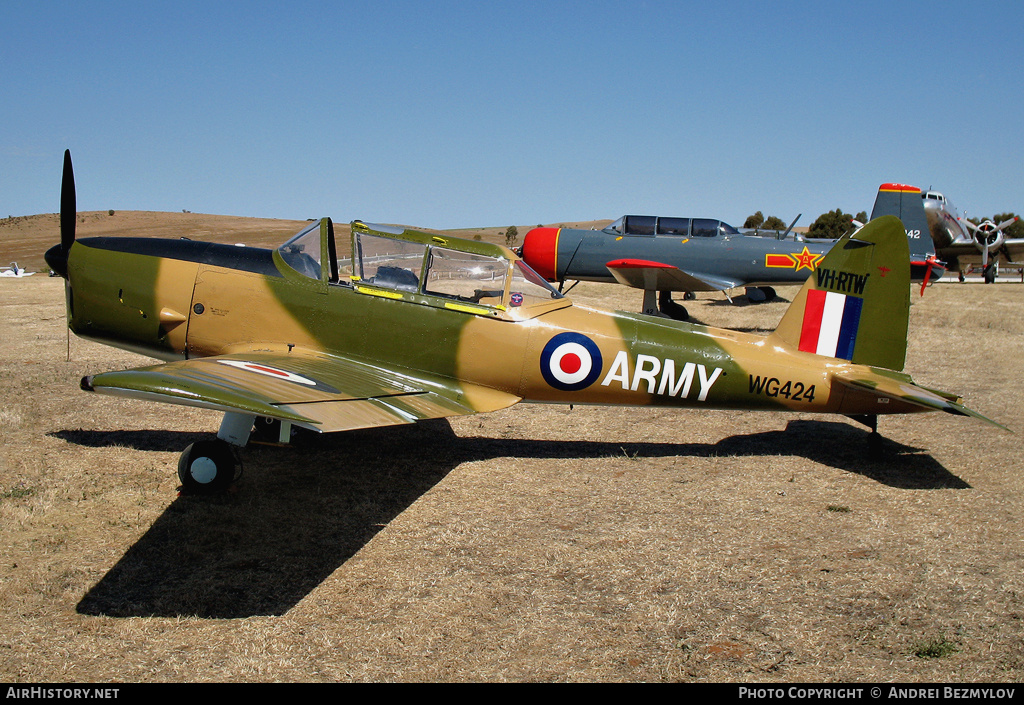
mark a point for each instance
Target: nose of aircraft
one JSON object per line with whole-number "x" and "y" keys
{"x": 57, "y": 259}
{"x": 540, "y": 248}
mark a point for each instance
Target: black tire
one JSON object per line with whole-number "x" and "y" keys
{"x": 990, "y": 274}
{"x": 769, "y": 293}
{"x": 670, "y": 308}
{"x": 206, "y": 467}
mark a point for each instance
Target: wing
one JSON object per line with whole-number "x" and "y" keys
{"x": 1011, "y": 251}
{"x": 1014, "y": 250}
{"x": 648, "y": 275}
{"x": 316, "y": 390}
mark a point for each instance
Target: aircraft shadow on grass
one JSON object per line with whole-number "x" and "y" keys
{"x": 303, "y": 511}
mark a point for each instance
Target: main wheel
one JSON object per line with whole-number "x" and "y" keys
{"x": 670, "y": 308}
{"x": 755, "y": 295}
{"x": 206, "y": 467}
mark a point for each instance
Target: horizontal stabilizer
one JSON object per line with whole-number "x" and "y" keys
{"x": 657, "y": 276}
{"x": 903, "y": 390}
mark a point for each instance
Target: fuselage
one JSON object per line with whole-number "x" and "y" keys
{"x": 707, "y": 248}
{"x": 943, "y": 221}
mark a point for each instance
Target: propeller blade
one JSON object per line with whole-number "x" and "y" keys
{"x": 57, "y": 256}
{"x": 1006, "y": 223}
{"x": 68, "y": 205}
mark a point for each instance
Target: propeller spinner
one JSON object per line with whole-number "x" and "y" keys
{"x": 988, "y": 235}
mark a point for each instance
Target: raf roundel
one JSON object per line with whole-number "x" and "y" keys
{"x": 275, "y": 373}
{"x": 570, "y": 362}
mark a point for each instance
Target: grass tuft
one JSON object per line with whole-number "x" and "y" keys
{"x": 19, "y": 491}
{"x": 938, "y": 647}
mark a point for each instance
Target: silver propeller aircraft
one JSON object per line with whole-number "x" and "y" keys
{"x": 985, "y": 245}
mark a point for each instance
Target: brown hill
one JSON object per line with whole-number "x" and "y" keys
{"x": 24, "y": 239}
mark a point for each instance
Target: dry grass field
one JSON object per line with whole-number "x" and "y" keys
{"x": 534, "y": 544}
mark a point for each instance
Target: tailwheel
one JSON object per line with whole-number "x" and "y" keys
{"x": 206, "y": 467}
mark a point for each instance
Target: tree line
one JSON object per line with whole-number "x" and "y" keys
{"x": 834, "y": 224}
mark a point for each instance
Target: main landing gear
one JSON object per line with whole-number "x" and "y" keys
{"x": 670, "y": 308}
{"x": 660, "y": 303}
{"x": 206, "y": 467}
{"x": 209, "y": 467}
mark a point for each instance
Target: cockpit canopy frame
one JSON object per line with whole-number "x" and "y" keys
{"x": 655, "y": 226}
{"x": 465, "y": 275}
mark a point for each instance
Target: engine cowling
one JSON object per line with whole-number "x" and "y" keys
{"x": 989, "y": 235}
{"x": 540, "y": 250}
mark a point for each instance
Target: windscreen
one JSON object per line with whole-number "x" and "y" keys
{"x": 302, "y": 252}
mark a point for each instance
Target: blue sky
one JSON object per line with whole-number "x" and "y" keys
{"x": 489, "y": 113}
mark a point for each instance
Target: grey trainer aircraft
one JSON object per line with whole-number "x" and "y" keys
{"x": 662, "y": 255}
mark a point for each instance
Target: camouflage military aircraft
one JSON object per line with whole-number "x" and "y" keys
{"x": 417, "y": 326}
{"x": 663, "y": 255}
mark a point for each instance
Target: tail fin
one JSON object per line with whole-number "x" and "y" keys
{"x": 905, "y": 203}
{"x": 857, "y": 303}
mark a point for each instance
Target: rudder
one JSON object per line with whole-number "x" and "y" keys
{"x": 856, "y": 306}
{"x": 905, "y": 203}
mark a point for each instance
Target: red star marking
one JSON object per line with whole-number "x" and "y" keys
{"x": 805, "y": 260}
